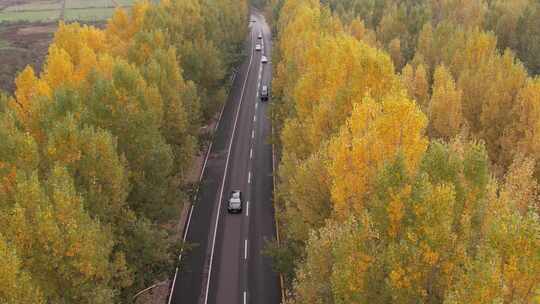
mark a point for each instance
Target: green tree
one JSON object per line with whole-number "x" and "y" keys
{"x": 16, "y": 286}
{"x": 90, "y": 156}
{"x": 307, "y": 197}
{"x": 201, "y": 60}
{"x": 132, "y": 112}
{"x": 47, "y": 225}
{"x": 528, "y": 45}
{"x": 181, "y": 108}
{"x": 525, "y": 130}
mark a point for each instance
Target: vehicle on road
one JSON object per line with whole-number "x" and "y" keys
{"x": 260, "y": 36}
{"x": 264, "y": 93}
{"x": 264, "y": 59}
{"x": 257, "y": 47}
{"x": 234, "y": 204}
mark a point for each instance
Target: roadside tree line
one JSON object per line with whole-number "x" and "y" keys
{"x": 94, "y": 150}
{"x": 406, "y": 181}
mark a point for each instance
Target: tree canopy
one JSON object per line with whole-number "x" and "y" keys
{"x": 408, "y": 169}
{"x": 94, "y": 150}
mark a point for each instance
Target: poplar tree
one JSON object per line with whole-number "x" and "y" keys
{"x": 445, "y": 110}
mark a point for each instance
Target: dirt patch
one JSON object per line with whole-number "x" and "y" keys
{"x": 28, "y": 44}
{"x": 37, "y": 29}
{"x": 14, "y": 2}
{"x": 157, "y": 295}
{"x": 18, "y": 59}
{"x": 7, "y": 3}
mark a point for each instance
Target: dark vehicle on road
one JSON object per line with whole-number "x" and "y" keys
{"x": 264, "y": 93}
{"x": 234, "y": 204}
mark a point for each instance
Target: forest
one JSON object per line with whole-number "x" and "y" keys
{"x": 408, "y": 136}
{"x": 94, "y": 149}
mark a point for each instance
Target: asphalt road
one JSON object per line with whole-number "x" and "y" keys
{"x": 226, "y": 265}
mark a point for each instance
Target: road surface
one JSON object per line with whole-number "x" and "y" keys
{"x": 226, "y": 265}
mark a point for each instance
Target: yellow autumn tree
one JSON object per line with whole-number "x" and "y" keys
{"x": 28, "y": 86}
{"x": 31, "y": 100}
{"x": 407, "y": 78}
{"x": 445, "y": 113}
{"x": 123, "y": 26}
{"x": 306, "y": 24}
{"x": 374, "y": 134}
{"x": 421, "y": 86}
{"x": 84, "y": 44}
{"x": 520, "y": 186}
{"x": 415, "y": 80}
{"x": 73, "y": 37}
{"x": 324, "y": 96}
{"x": 58, "y": 68}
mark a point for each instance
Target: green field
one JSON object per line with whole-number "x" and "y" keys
{"x": 30, "y": 16}
{"x": 88, "y": 14}
{"x": 51, "y": 10}
{"x": 4, "y": 44}
{"x": 34, "y": 6}
{"x": 70, "y": 4}
{"x": 125, "y": 2}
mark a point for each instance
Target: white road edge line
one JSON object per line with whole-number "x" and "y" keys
{"x": 220, "y": 115}
{"x": 188, "y": 222}
{"x": 180, "y": 255}
{"x": 197, "y": 193}
{"x": 173, "y": 282}
{"x": 225, "y": 172}
{"x": 205, "y": 161}
{"x": 245, "y": 249}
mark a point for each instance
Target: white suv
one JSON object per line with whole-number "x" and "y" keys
{"x": 235, "y": 202}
